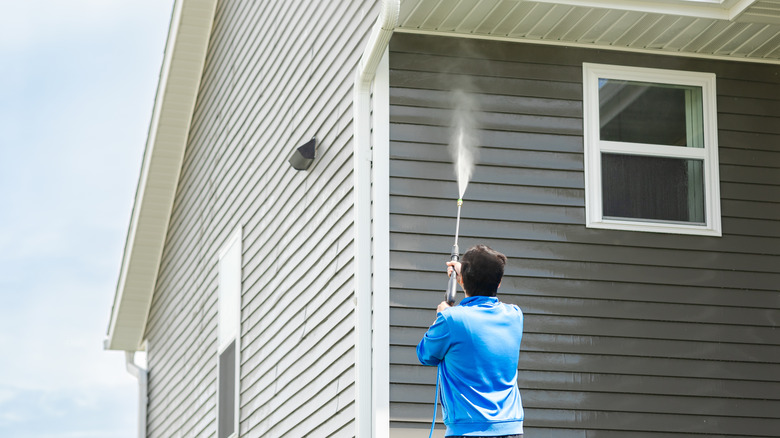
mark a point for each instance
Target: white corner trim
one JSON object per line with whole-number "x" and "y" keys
{"x": 381, "y": 288}
{"x": 378, "y": 41}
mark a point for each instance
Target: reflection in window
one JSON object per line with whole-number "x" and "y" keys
{"x": 637, "y": 112}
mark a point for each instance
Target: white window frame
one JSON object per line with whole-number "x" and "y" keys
{"x": 229, "y": 315}
{"x": 594, "y": 147}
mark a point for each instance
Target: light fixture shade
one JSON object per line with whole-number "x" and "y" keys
{"x": 303, "y": 155}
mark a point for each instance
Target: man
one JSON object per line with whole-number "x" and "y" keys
{"x": 476, "y": 346}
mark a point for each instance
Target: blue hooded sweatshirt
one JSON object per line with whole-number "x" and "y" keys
{"x": 476, "y": 345}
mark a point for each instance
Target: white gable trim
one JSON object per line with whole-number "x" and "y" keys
{"x": 185, "y": 55}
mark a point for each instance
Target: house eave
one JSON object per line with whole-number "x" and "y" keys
{"x": 743, "y": 30}
{"x": 180, "y": 76}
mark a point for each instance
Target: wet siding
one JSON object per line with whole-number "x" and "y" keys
{"x": 627, "y": 333}
{"x": 277, "y": 74}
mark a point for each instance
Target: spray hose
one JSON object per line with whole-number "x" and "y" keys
{"x": 435, "y": 401}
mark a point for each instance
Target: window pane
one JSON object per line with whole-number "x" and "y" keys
{"x": 641, "y": 112}
{"x": 654, "y": 188}
{"x": 227, "y": 391}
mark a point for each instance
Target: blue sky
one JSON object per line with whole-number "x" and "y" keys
{"x": 77, "y": 86}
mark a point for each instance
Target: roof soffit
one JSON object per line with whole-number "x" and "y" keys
{"x": 747, "y": 30}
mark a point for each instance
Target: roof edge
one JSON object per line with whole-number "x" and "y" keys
{"x": 180, "y": 76}
{"x": 659, "y": 52}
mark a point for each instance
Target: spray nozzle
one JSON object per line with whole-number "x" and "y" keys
{"x": 460, "y": 202}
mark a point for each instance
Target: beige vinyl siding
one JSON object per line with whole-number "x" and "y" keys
{"x": 627, "y": 333}
{"x": 277, "y": 74}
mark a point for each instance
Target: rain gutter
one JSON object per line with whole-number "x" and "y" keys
{"x": 372, "y": 391}
{"x": 141, "y": 374}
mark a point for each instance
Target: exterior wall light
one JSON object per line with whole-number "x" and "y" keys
{"x": 303, "y": 155}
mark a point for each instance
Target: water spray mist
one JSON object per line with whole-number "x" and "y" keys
{"x": 463, "y": 148}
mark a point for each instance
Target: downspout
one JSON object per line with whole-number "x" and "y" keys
{"x": 361, "y": 106}
{"x": 141, "y": 375}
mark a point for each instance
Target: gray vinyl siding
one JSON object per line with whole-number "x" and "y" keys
{"x": 277, "y": 74}
{"x": 627, "y": 333}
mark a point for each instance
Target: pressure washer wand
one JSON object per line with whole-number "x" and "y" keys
{"x": 452, "y": 284}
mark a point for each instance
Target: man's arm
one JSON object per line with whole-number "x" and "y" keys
{"x": 435, "y": 342}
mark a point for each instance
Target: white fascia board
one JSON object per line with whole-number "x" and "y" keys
{"x": 180, "y": 75}
{"x": 717, "y": 10}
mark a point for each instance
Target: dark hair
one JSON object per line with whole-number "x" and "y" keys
{"x": 482, "y": 269}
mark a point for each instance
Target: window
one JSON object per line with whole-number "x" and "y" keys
{"x": 228, "y": 336}
{"x": 651, "y": 152}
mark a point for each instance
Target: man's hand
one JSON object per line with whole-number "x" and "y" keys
{"x": 443, "y": 305}
{"x": 453, "y": 266}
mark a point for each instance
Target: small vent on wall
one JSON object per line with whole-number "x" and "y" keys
{"x": 303, "y": 155}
